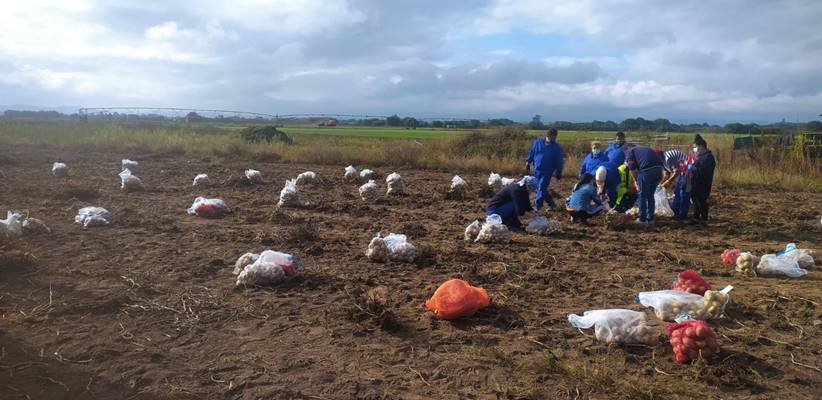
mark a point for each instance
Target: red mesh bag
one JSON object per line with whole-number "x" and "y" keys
{"x": 206, "y": 210}
{"x": 729, "y": 256}
{"x": 456, "y": 298}
{"x": 690, "y": 281}
{"x": 691, "y": 338}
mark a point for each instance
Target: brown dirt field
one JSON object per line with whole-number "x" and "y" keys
{"x": 146, "y": 308}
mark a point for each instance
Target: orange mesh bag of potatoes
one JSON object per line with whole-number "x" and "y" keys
{"x": 456, "y": 298}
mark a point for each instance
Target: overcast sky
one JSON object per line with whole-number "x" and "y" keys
{"x": 575, "y": 60}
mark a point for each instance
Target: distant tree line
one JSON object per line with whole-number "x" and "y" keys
{"x": 638, "y": 124}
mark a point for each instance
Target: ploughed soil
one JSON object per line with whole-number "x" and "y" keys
{"x": 147, "y": 307}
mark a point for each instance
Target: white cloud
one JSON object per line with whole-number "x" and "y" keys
{"x": 684, "y": 59}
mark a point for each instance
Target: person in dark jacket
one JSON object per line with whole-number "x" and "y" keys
{"x": 702, "y": 175}
{"x": 645, "y": 165}
{"x": 512, "y": 202}
{"x": 548, "y": 159}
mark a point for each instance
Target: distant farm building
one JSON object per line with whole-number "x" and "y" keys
{"x": 329, "y": 122}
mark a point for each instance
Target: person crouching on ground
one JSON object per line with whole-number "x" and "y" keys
{"x": 513, "y": 201}
{"x": 548, "y": 160}
{"x": 584, "y": 201}
{"x": 702, "y": 175}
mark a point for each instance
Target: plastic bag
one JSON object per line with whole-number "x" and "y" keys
{"x": 92, "y": 216}
{"x": 33, "y": 226}
{"x": 690, "y": 281}
{"x": 130, "y": 165}
{"x": 472, "y": 230}
{"x": 495, "y": 181}
{"x": 254, "y": 176}
{"x": 366, "y": 174}
{"x": 368, "y": 192}
{"x": 351, "y": 174}
{"x": 399, "y": 248}
{"x": 456, "y": 298}
{"x": 616, "y": 326}
{"x": 59, "y": 170}
{"x": 663, "y": 207}
{"x": 493, "y": 231}
{"x": 458, "y": 183}
{"x": 690, "y": 339}
{"x": 669, "y": 305}
{"x": 288, "y": 196}
{"x": 243, "y": 260}
{"x": 130, "y": 182}
{"x": 11, "y": 227}
{"x": 543, "y": 226}
{"x": 396, "y": 185}
{"x": 803, "y": 257}
{"x": 208, "y": 208}
{"x": 377, "y": 250}
{"x": 729, "y": 256}
{"x": 271, "y": 267}
{"x": 772, "y": 264}
{"x": 745, "y": 264}
{"x": 307, "y": 178}
{"x": 201, "y": 180}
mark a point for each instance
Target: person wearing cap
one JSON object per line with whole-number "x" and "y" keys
{"x": 675, "y": 170}
{"x": 616, "y": 151}
{"x": 702, "y": 178}
{"x": 593, "y": 160}
{"x": 645, "y": 165}
{"x": 584, "y": 202}
{"x": 548, "y": 160}
{"x": 513, "y": 201}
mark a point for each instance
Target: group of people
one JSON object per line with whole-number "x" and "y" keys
{"x": 613, "y": 178}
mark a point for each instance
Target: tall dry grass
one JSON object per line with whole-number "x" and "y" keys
{"x": 500, "y": 151}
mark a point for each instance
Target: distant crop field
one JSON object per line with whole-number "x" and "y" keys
{"x": 375, "y": 132}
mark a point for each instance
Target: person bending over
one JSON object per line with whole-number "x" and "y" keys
{"x": 513, "y": 201}
{"x": 584, "y": 202}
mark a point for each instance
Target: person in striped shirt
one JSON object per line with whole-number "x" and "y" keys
{"x": 675, "y": 167}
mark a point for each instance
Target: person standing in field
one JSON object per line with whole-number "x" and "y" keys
{"x": 593, "y": 160}
{"x": 675, "y": 168}
{"x": 548, "y": 159}
{"x": 645, "y": 165}
{"x": 616, "y": 150}
{"x": 702, "y": 176}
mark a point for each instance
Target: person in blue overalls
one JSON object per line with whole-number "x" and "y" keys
{"x": 616, "y": 150}
{"x": 593, "y": 160}
{"x": 548, "y": 159}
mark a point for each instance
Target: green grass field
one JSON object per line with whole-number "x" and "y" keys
{"x": 441, "y": 149}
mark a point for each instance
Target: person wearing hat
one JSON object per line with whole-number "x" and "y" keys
{"x": 548, "y": 160}
{"x": 675, "y": 170}
{"x": 702, "y": 178}
{"x": 584, "y": 202}
{"x": 616, "y": 151}
{"x": 645, "y": 165}
{"x": 513, "y": 201}
{"x": 593, "y": 160}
